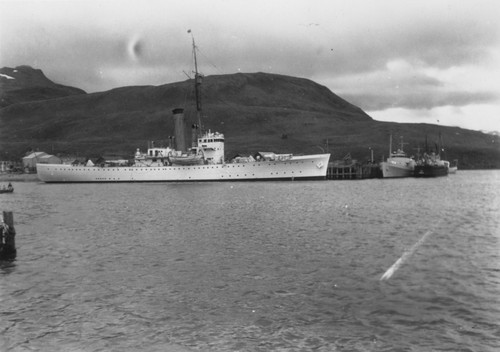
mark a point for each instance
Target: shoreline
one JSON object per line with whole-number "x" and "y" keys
{"x": 8, "y": 177}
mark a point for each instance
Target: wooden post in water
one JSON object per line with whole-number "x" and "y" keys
{"x": 7, "y": 236}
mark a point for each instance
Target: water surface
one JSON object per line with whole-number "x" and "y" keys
{"x": 259, "y": 266}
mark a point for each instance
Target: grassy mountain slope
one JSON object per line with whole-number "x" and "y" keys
{"x": 256, "y": 112}
{"x": 23, "y": 83}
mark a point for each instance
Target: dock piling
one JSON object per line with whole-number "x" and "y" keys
{"x": 7, "y": 237}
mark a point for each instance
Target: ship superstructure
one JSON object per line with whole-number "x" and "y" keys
{"x": 207, "y": 148}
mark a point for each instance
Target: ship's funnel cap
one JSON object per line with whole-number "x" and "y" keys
{"x": 178, "y": 111}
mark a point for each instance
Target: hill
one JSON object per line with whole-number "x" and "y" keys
{"x": 255, "y": 111}
{"x": 23, "y": 83}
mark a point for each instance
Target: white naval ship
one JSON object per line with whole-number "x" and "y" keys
{"x": 203, "y": 161}
{"x": 398, "y": 164}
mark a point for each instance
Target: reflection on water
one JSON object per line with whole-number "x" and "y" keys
{"x": 292, "y": 266}
{"x": 7, "y": 267}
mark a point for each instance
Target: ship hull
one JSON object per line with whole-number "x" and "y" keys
{"x": 430, "y": 171}
{"x": 308, "y": 167}
{"x": 393, "y": 170}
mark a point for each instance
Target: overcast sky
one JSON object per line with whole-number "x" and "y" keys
{"x": 407, "y": 61}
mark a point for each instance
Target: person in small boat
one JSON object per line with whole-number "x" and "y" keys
{"x": 9, "y": 186}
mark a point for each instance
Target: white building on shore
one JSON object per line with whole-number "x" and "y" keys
{"x": 30, "y": 161}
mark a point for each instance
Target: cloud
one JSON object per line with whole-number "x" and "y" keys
{"x": 319, "y": 39}
{"x": 406, "y": 86}
{"x": 486, "y": 116}
{"x": 418, "y": 100}
{"x": 432, "y": 45}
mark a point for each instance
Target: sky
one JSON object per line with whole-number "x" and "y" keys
{"x": 427, "y": 61}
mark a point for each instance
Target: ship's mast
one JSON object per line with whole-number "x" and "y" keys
{"x": 440, "y": 144}
{"x": 197, "y": 86}
{"x": 401, "y": 142}
{"x": 390, "y": 145}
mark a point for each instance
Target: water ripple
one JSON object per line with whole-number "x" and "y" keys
{"x": 255, "y": 266}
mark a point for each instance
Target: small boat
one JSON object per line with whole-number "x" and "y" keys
{"x": 398, "y": 164}
{"x": 185, "y": 160}
{"x": 7, "y": 189}
{"x": 452, "y": 169}
{"x": 195, "y": 157}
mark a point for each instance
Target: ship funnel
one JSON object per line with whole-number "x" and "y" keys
{"x": 194, "y": 135}
{"x": 180, "y": 142}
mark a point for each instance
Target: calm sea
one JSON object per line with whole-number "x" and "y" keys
{"x": 276, "y": 266}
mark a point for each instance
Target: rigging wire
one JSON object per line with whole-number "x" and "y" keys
{"x": 218, "y": 71}
{"x": 209, "y": 62}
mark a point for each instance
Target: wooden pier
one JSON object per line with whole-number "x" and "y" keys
{"x": 352, "y": 170}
